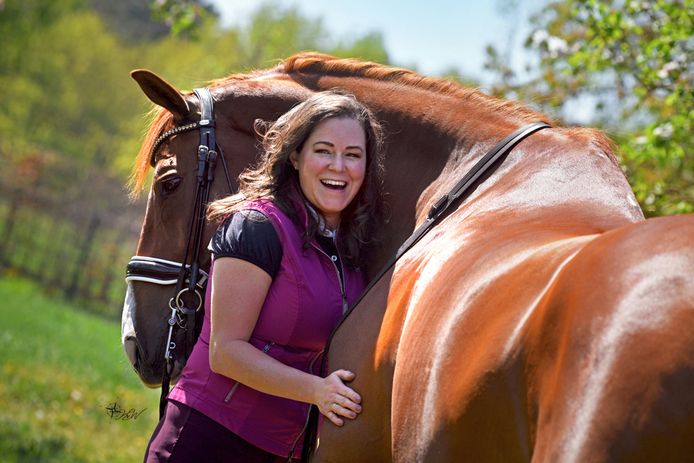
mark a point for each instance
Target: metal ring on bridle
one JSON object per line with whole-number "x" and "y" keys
{"x": 179, "y": 302}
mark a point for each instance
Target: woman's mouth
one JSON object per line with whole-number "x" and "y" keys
{"x": 334, "y": 184}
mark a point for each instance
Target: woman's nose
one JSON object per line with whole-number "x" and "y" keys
{"x": 337, "y": 163}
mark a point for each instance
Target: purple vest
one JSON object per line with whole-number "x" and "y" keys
{"x": 303, "y": 305}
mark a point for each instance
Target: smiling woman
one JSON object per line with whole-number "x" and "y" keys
{"x": 285, "y": 267}
{"x": 331, "y": 165}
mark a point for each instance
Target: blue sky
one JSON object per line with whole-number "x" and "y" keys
{"x": 432, "y": 35}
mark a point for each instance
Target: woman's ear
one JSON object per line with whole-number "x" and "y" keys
{"x": 294, "y": 159}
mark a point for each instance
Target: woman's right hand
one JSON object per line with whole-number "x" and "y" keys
{"x": 335, "y": 400}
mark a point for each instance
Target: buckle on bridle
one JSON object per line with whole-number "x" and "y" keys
{"x": 180, "y": 304}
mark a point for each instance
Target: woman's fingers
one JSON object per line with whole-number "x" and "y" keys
{"x": 345, "y": 403}
{"x": 345, "y": 375}
{"x": 345, "y": 411}
{"x": 336, "y": 420}
{"x": 340, "y": 401}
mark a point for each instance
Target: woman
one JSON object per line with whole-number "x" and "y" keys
{"x": 285, "y": 267}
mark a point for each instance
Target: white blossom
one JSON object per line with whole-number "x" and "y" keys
{"x": 556, "y": 46}
{"x": 539, "y": 37}
{"x": 663, "y": 131}
{"x": 665, "y": 70}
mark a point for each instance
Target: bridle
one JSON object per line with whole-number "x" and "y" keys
{"x": 187, "y": 276}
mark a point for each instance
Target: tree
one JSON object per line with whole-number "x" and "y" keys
{"x": 631, "y": 62}
{"x": 68, "y": 97}
{"x": 183, "y": 17}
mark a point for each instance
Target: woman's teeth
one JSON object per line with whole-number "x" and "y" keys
{"x": 334, "y": 184}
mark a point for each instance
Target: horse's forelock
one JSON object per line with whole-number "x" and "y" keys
{"x": 163, "y": 120}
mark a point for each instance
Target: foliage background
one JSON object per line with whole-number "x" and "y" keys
{"x": 71, "y": 122}
{"x": 632, "y": 63}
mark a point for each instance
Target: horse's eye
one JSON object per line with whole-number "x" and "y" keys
{"x": 170, "y": 184}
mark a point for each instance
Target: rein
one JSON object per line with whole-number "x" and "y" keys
{"x": 187, "y": 277}
{"x": 443, "y": 205}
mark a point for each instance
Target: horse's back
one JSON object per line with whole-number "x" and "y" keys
{"x": 545, "y": 347}
{"x": 612, "y": 350}
{"x": 457, "y": 313}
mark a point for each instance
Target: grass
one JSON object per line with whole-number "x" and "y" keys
{"x": 60, "y": 369}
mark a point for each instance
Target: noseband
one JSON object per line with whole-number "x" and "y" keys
{"x": 187, "y": 276}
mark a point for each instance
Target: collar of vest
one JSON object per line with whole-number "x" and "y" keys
{"x": 303, "y": 208}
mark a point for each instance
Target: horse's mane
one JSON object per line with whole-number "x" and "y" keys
{"x": 310, "y": 63}
{"x": 315, "y": 63}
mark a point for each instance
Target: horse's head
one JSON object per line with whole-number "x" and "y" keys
{"x": 170, "y": 233}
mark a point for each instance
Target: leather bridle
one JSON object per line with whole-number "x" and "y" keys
{"x": 187, "y": 276}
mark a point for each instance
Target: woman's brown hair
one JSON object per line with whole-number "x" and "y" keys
{"x": 275, "y": 178}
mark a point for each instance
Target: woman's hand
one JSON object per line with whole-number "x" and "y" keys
{"x": 335, "y": 400}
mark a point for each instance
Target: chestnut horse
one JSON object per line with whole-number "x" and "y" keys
{"x": 543, "y": 319}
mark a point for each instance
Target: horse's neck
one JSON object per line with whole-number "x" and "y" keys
{"x": 430, "y": 139}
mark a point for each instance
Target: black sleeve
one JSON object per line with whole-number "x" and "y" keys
{"x": 249, "y": 235}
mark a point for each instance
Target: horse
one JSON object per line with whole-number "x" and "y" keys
{"x": 542, "y": 318}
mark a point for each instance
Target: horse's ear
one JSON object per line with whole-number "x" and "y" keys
{"x": 162, "y": 93}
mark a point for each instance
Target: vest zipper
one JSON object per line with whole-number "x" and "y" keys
{"x": 231, "y": 392}
{"x": 308, "y": 415}
{"x": 345, "y": 306}
{"x": 266, "y": 348}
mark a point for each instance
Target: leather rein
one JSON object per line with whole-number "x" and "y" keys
{"x": 187, "y": 276}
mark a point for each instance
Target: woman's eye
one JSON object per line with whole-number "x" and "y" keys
{"x": 170, "y": 184}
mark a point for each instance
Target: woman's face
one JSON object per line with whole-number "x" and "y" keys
{"x": 332, "y": 166}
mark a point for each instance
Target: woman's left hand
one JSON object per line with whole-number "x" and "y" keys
{"x": 335, "y": 400}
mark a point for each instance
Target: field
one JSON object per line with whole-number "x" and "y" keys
{"x": 61, "y": 371}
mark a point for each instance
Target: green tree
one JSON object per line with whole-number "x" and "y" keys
{"x": 64, "y": 76}
{"x": 62, "y": 93}
{"x": 632, "y": 63}
{"x": 276, "y": 32}
{"x": 19, "y": 22}
{"x": 184, "y": 17}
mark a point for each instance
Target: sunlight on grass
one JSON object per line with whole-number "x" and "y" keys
{"x": 61, "y": 368}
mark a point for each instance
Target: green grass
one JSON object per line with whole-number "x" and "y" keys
{"x": 60, "y": 368}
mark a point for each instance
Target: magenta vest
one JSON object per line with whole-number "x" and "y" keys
{"x": 302, "y": 307}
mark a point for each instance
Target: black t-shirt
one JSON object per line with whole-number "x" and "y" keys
{"x": 250, "y": 236}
